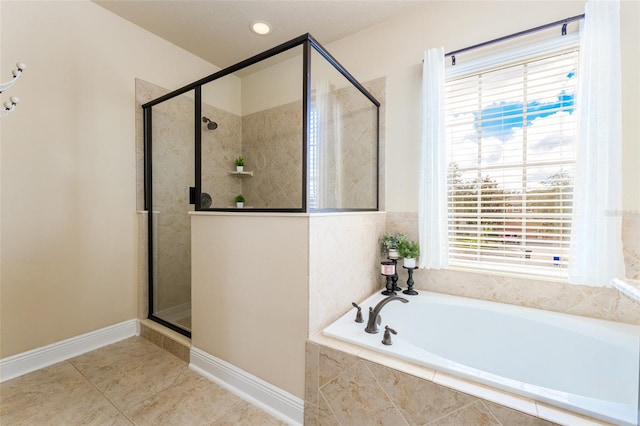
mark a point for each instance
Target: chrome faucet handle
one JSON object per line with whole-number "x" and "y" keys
{"x": 386, "y": 339}
{"x": 359, "y": 313}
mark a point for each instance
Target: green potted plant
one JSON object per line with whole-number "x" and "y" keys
{"x": 409, "y": 250}
{"x": 239, "y": 162}
{"x": 239, "y": 201}
{"x": 391, "y": 242}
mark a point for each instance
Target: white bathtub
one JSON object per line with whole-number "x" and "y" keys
{"x": 580, "y": 364}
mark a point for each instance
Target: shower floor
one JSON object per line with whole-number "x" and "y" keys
{"x": 184, "y": 322}
{"x": 179, "y": 315}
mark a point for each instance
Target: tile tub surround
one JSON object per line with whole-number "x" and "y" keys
{"x": 596, "y": 302}
{"x": 338, "y": 259}
{"x": 349, "y": 385}
{"x": 132, "y": 382}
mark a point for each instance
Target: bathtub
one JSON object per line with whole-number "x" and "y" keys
{"x": 580, "y": 364}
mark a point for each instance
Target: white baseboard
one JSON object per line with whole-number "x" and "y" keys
{"x": 35, "y": 359}
{"x": 273, "y": 400}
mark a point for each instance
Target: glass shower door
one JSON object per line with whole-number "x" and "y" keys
{"x": 172, "y": 155}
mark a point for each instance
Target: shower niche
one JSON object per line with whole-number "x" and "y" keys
{"x": 307, "y": 130}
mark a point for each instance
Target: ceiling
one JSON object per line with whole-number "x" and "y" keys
{"x": 218, "y": 30}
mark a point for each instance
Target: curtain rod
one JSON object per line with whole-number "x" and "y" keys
{"x": 564, "y": 23}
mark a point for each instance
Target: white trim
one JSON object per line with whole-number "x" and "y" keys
{"x": 627, "y": 289}
{"x": 35, "y": 359}
{"x": 569, "y": 41}
{"x": 273, "y": 400}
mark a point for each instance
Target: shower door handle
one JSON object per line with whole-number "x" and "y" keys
{"x": 192, "y": 195}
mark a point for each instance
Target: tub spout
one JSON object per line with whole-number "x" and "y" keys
{"x": 374, "y": 313}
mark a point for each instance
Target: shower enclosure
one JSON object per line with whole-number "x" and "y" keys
{"x": 308, "y": 134}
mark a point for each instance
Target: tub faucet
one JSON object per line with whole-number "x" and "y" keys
{"x": 374, "y": 313}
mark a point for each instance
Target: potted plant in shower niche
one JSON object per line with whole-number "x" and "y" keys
{"x": 391, "y": 242}
{"x": 239, "y": 164}
{"x": 409, "y": 250}
{"x": 239, "y": 201}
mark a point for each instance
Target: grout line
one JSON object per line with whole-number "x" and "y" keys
{"x": 384, "y": 391}
{"x": 491, "y": 412}
{"x": 455, "y": 411}
{"x": 100, "y": 392}
{"x": 321, "y": 395}
{"x": 341, "y": 372}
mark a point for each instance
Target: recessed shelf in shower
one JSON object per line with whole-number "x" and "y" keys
{"x": 240, "y": 174}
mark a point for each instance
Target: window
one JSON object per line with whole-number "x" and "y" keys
{"x": 511, "y": 134}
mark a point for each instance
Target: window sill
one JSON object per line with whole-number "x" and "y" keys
{"x": 510, "y": 274}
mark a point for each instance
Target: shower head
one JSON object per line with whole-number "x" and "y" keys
{"x": 211, "y": 125}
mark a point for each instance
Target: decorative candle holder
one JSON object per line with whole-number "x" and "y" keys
{"x": 394, "y": 278}
{"x": 410, "y": 291}
{"x": 388, "y": 269}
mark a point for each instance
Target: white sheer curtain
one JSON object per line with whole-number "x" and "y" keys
{"x": 328, "y": 146}
{"x": 432, "y": 197}
{"x": 596, "y": 236}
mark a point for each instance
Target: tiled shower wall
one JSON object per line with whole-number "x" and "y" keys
{"x": 272, "y": 149}
{"x": 220, "y": 147}
{"x": 346, "y": 141}
{"x": 596, "y": 302}
{"x": 172, "y": 155}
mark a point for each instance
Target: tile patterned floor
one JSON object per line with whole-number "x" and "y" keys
{"x": 132, "y": 382}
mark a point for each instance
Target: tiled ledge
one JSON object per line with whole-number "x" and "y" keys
{"x": 522, "y": 409}
{"x": 630, "y": 290}
{"x": 169, "y": 340}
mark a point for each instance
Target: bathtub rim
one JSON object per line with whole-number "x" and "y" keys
{"x": 533, "y": 403}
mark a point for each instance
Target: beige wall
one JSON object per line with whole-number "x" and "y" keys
{"x": 630, "y": 29}
{"x": 250, "y": 293}
{"x": 262, "y": 282}
{"x": 68, "y": 225}
{"x": 376, "y": 52}
{"x": 224, "y": 93}
{"x": 278, "y": 84}
{"x": 395, "y": 49}
{"x": 69, "y": 228}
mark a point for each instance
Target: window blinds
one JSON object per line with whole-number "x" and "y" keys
{"x": 511, "y": 134}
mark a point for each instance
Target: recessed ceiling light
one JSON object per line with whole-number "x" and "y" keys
{"x": 260, "y": 27}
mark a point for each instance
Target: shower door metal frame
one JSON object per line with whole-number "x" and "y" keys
{"x": 148, "y": 206}
{"x": 308, "y": 43}
{"x": 306, "y": 117}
